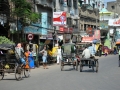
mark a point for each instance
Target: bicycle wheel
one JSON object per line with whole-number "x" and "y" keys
{"x": 26, "y": 72}
{"x": 18, "y": 73}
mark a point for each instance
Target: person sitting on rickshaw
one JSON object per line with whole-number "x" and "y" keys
{"x": 86, "y": 53}
{"x": 92, "y": 51}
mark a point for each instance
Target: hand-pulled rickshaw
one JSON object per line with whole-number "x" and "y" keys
{"x": 9, "y": 63}
{"x": 90, "y": 62}
{"x": 68, "y": 56}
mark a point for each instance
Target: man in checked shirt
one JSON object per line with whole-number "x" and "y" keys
{"x": 92, "y": 50}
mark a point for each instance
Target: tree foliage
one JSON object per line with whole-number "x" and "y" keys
{"x": 4, "y": 40}
{"x": 23, "y": 10}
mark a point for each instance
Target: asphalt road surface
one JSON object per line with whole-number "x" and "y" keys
{"x": 107, "y": 78}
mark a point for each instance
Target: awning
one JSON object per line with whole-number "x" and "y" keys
{"x": 87, "y": 39}
{"x": 117, "y": 42}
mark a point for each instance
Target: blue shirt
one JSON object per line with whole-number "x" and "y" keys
{"x": 92, "y": 50}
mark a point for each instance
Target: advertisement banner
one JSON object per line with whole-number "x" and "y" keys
{"x": 65, "y": 29}
{"x": 87, "y": 39}
{"x": 44, "y": 23}
{"x": 59, "y": 18}
{"x": 114, "y": 22}
{"x": 97, "y": 34}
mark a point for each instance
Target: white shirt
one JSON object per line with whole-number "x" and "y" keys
{"x": 86, "y": 53}
{"x": 59, "y": 51}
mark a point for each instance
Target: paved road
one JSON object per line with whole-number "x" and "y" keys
{"x": 107, "y": 78}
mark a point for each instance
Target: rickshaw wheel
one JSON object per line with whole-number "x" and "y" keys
{"x": 1, "y": 75}
{"x": 81, "y": 67}
{"x": 62, "y": 65}
{"x": 119, "y": 62}
{"x": 76, "y": 65}
{"x": 18, "y": 73}
{"x": 27, "y": 72}
{"x": 97, "y": 64}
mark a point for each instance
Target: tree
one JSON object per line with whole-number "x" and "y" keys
{"x": 23, "y": 12}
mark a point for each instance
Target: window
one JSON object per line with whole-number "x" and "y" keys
{"x": 75, "y": 4}
{"x": 61, "y": 1}
{"x": 69, "y": 3}
{"x": 69, "y": 22}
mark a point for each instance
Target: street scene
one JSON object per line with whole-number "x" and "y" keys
{"x": 59, "y": 44}
{"x": 53, "y": 78}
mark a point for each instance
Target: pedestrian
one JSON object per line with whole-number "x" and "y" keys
{"x": 59, "y": 55}
{"x": 31, "y": 59}
{"x": 44, "y": 57}
{"x": 27, "y": 62}
{"x": 26, "y": 58}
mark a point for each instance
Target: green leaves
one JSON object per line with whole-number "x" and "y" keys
{"x": 23, "y": 9}
{"x": 4, "y": 40}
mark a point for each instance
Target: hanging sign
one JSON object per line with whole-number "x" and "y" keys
{"x": 30, "y": 36}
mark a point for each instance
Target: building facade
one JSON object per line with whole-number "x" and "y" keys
{"x": 89, "y": 18}
{"x": 114, "y": 6}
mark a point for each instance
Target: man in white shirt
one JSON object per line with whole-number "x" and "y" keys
{"x": 86, "y": 53}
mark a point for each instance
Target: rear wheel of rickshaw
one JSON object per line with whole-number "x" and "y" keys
{"x": 76, "y": 65}
{"x": 81, "y": 67}
{"x": 97, "y": 65}
{"x": 62, "y": 65}
{"x": 18, "y": 72}
{"x": 119, "y": 62}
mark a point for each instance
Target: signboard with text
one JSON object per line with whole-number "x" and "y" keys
{"x": 65, "y": 29}
{"x": 59, "y": 18}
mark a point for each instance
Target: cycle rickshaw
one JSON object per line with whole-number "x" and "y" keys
{"x": 91, "y": 63}
{"x": 68, "y": 56}
{"x": 10, "y": 64}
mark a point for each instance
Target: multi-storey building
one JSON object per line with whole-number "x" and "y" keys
{"x": 89, "y": 17}
{"x": 114, "y": 6}
{"x": 71, "y": 9}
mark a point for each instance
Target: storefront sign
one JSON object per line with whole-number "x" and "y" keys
{"x": 87, "y": 39}
{"x": 59, "y": 18}
{"x": 97, "y": 34}
{"x": 114, "y": 22}
{"x": 44, "y": 23}
{"x": 65, "y": 29}
{"x": 104, "y": 25}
